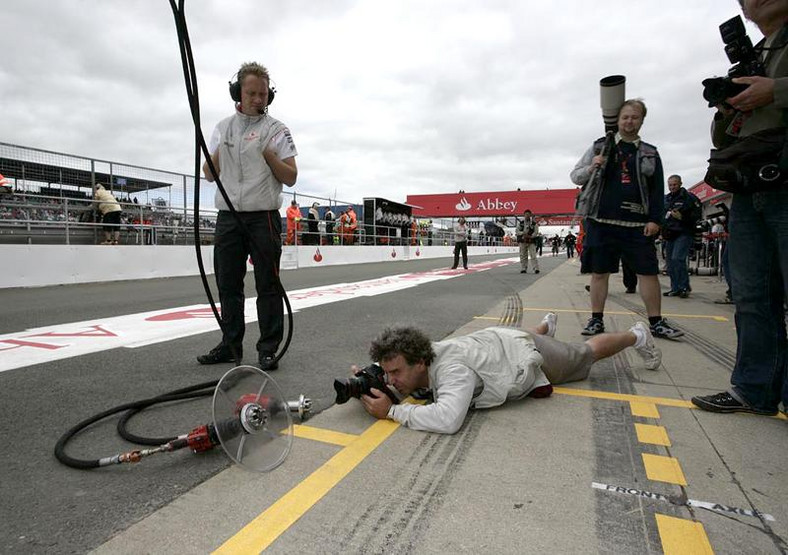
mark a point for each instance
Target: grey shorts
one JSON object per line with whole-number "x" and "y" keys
{"x": 564, "y": 362}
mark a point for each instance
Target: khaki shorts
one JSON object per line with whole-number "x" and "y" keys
{"x": 564, "y": 362}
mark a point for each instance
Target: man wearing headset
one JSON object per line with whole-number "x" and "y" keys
{"x": 254, "y": 155}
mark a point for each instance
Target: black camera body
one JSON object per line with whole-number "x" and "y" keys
{"x": 746, "y": 59}
{"x": 362, "y": 383}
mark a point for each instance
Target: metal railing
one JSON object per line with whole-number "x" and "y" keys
{"x": 29, "y": 218}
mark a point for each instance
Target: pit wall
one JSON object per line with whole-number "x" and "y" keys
{"x": 44, "y": 265}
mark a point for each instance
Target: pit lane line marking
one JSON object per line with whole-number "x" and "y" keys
{"x": 681, "y": 536}
{"x": 663, "y": 469}
{"x": 653, "y": 435}
{"x": 622, "y": 313}
{"x": 264, "y": 529}
{"x": 67, "y": 340}
{"x": 323, "y": 435}
{"x": 663, "y": 401}
{"x": 271, "y": 523}
{"x": 715, "y": 507}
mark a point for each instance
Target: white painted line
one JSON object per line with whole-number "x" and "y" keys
{"x": 47, "y": 344}
{"x": 716, "y": 507}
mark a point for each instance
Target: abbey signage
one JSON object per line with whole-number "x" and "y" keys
{"x": 559, "y": 202}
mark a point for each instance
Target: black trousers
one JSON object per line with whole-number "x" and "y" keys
{"x": 461, "y": 246}
{"x": 232, "y": 248}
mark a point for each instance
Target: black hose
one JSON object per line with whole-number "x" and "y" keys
{"x": 189, "y": 392}
{"x": 190, "y": 79}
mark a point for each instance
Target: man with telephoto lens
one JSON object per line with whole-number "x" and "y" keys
{"x": 486, "y": 368}
{"x": 625, "y": 220}
{"x": 758, "y": 241}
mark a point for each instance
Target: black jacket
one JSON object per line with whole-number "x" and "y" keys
{"x": 688, "y": 206}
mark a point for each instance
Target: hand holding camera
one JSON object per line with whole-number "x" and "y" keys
{"x": 364, "y": 381}
{"x": 376, "y": 403}
{"x": 747, "y": 65}
{"x": 759, "y": 93}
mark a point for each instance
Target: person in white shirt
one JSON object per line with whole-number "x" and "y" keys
{"x": 486, "y": 368}
{"x": 460, "y": 232}
{"x": 254, "y": 156}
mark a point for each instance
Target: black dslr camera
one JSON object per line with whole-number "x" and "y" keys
{"x": 746, "y": 59}
{"x": 362, "y": 383}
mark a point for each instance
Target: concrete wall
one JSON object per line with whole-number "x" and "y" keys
{"x": 41, "y": 265}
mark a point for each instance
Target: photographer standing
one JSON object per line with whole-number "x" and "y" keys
{"x": 460, "y": 231}
{"x": 527, "y": 232}
{"x": 758, "y": 231}
{"x": 625, "y": 218}
{"x": 683, "y": 213}
{"x": 254, "y": 154}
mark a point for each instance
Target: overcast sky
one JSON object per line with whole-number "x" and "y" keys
{"x": 382, "y": 98}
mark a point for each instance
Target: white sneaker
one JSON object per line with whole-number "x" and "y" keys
{"x": 650, "y": 353}
{"x": 551, "y": 319}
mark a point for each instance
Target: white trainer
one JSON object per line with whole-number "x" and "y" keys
{"x": 650, "y": 353}
{"x": 551, "y": 319}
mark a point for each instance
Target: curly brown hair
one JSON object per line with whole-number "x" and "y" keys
{"x": 411, "y": 343}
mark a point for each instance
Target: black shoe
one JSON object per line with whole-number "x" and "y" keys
{"x": 220, "y": 353}
{"x": 664, "y": 330}
{"x": 725, "y": 402}
{"x": 683, "y": 294}
{"x": 594, "y": 326}
{"x": 268, "y": 362}
{"x": 523, "y": 271}
{"x": 670, "y": 293}
{"x": 536, "y": 271}
{"x": 588, "y": 288}
{"x": 453, "y": 268}
{"x": 725, "y": 300}
{"x": 631, "y": 290}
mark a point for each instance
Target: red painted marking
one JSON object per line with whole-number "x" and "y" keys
{"x": 94, "y": 331}
{"x": 182, "y": 315}
{"x": 19, "y": 343}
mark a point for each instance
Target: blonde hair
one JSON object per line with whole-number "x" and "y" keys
{"x": 635, "y": 102}
{"x": 253, "y": 68}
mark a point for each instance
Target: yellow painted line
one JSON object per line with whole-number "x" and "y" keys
{"x": 269, "y": 525}
{"x": 321, "y": 434}
{"x": 664, "y": 401}
{"x": 646, "y": 410}
{"x": 716, "y": 318}
{"x": 655, "y": 435}
{"x": 663, "y": 469}
{"x": 680, "y": 536}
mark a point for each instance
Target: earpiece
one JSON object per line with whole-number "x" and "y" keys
{"x": 235, "y": 90}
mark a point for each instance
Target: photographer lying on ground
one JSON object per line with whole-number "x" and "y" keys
{"x": 486, "y": 368}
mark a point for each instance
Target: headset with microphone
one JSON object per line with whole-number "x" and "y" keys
{"x": 235, "y": 90}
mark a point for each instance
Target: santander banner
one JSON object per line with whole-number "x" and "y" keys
{"x": 705, "y": 192}
{"x": 551, "y": 202}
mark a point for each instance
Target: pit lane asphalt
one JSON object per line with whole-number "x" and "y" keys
{"x": 50, "y": 508}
